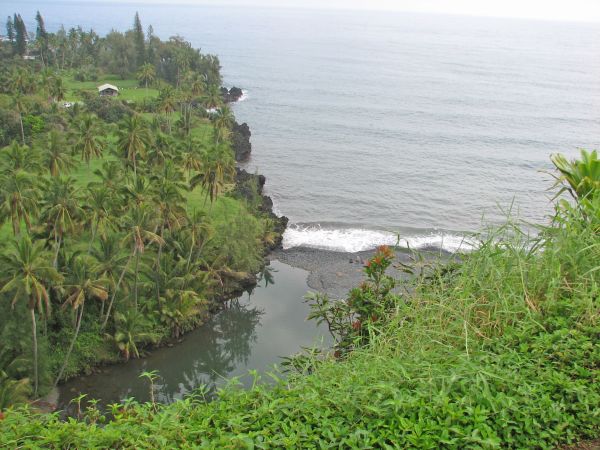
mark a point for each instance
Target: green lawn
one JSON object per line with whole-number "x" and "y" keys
{"x": 129, "y": 89}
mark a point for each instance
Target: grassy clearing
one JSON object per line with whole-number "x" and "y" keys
{"x": 129, "y": 89}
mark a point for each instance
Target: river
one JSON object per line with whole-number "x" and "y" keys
{"x": 252, "y": 332}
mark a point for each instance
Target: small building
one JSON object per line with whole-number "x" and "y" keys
{"x": 108, "y": 90}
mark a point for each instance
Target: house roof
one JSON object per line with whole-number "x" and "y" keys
{"x": 107, "y": 86}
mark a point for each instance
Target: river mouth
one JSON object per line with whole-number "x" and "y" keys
{"x": 253, "y": 332}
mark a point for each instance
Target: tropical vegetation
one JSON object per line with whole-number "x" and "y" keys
{"x": 113, "y": 212}
{"x": 495, "y": 348}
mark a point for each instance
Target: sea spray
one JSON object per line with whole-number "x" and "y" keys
{"x": 353, "y": 240}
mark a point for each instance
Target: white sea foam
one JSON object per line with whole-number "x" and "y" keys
{"x": 244, "y": 96}
{"x": 357, "y": 239}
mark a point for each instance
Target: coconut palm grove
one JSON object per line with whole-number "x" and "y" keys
{"x": 125, "y": 224}
{"x": 121, "y": 223}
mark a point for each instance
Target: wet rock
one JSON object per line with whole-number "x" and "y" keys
{"x": 235, "y": 93}
{"x": 250, "y": 188}
{"x": 240, "y": 140}
{"x": 231, "y": 95}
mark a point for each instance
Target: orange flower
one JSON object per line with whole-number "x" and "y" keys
{"x": 385, "y": 251}
{"x": 2, "y": 416}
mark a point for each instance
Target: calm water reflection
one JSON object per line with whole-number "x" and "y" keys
{"x": 253, "y": 332}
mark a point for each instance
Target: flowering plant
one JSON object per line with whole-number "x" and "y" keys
{"x": 350, "y": 320}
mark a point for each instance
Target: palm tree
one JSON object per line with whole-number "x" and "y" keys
{"x": 46, "y": 77}
{"x": 82, "y": 284}
{"x": 197, "y": 83}
{"x": 20, "y": 157}
{"x": 223, "y": 120}
{"x": 138, "y": 226}
{"x": 218, "y": 168}
{"x": 98, "y": 204}
{"x": 19, "y": 195}
{"x": 18, "y": 102}
{"x": 169, "y": 200}
{"x": 27, "y": 273}
{"x": 182, "y": 61}
{"x": 56, "y": 89}
{"x": 191, "y": 156}
{"x": 199, "y": 232}
{"x": 61, "y": 210}
{"x": 181, "y": 303}
{"x": 146, "y": 75}
{"x": 21, "y": 81}
{"x": 167, "y": 104}
{"x": 131, "y": 329}
{"x": 223, "y": 117}
{"x": 213, "y": 71}
{"x": 138, "y": 192}
{"x": 168, "y": 197}
{"x": 56, "y": 157}
{"x": 109, "y": 258}
{"x": 186, "y": 119}
{"x": 87, "y": 138}
{"x": 212, "y": 98}
{"x": 162, "y": 150}
{"x": 110, "y": 176}
{"x": 134, "y": 139}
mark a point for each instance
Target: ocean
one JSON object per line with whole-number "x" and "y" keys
{"x": 371, "y": 126}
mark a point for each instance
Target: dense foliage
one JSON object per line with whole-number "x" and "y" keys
{"x": 119, "y": 223}
{"x": 497, "y": 350}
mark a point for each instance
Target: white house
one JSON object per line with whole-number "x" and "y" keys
{"x": 108, "y": 90}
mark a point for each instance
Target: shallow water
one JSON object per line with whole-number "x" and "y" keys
{"x": 252, "y": 333}
{"x": 368, "y": 122}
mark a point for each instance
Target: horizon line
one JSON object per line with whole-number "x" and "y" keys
{"x": 325, "y": 7}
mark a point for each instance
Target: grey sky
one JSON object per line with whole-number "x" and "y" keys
{"x": 586, "y": 10}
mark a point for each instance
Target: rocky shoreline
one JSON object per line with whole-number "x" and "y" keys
{"x": 240, "y": 141}
{"x": 231, "y": 95}
{"x": 250, "y": 187}
{"x": 336, "y": 273}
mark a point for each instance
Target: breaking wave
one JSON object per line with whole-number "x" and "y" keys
{"x": 353, "y": 240}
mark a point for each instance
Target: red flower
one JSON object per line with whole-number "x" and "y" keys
{"x": 356, "y": 325}
{"x": 2, "y": 416}
{"x": 378, "y": 259}
{"x": 385, "y": 251}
